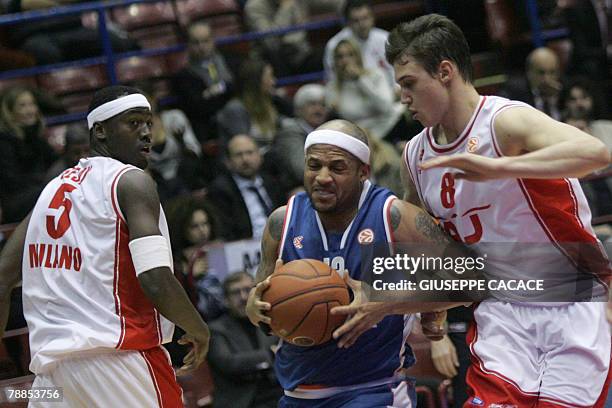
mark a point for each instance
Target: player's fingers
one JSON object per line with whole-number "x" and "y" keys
{"x": 263, "y": 318}
{"x": 261, "y": 286}
{"x": 454, "y": 358}
{"x": 344, "y": 310}
{"x": 262, "y": 305}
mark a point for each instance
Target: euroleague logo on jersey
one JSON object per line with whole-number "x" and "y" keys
{"x": 472, "y": 144}
{"x": 366, "y": 236}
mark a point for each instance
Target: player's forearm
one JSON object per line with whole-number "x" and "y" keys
{"x": 565, "y": 159}
{"x": 169, "y": 298}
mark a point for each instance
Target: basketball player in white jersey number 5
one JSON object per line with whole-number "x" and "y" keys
{"x": 494, "y": 170}
{"x": 98, "y": 289}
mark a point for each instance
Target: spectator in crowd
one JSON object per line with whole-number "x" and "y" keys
{"x": 175, "y": 156}
{"x": 205, "y": 84}
{"x": 257, "y": 111}
{"x": 311, "y": 112}
{"x": 245, "y": 196}
{"x": 24, "y": 153}
{"x": 75, "y": 147}
{"x": 385, "y": 165}
{"x": 193, "y": 225}
{"x": 359, "y": 19}
{"x": 61, "y": 38}
{"x": 589, "y": 27}
{"x": 289, "y": 53}
{"x": 241, "y": 356}
{"x": 361, "y": 95}
{"x": 541, "y": 85}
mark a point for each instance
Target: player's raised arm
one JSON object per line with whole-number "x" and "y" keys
{"x": 138, "y": 199}
{"x": 270, "y": 242}
{"x": 10, "y": 269}
{"x": 534, "y": 146}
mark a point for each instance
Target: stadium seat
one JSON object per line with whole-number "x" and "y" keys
{"x": 139, "y": 68}
{"x": 176, "y": 61}
{"x": 197, "y": 387}
{"x": 73, "y": 80}
{"x": 191, "y": 10}
{"x": 24, "y": 81}
{"x": 144, "y": 15}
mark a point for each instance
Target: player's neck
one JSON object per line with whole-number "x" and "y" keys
{"x": 338, "y": 222}
{"x": 463, "y": 102}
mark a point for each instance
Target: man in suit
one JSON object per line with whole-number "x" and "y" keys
{"x": 244, "y": 196}
{"x": 241, "y": 356}
{"x": 541, "y": 85}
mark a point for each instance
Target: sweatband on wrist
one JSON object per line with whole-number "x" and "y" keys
{"x": 339, "y": 139}
{"x": 112, "y": 108}
{"x": 149, "y": 253}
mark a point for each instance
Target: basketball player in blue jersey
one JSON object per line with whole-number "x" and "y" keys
{"x": 340, "y": 211}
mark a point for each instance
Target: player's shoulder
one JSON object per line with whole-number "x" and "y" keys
{"x": 276, "y": 222}
{"x": 135, "y": 184}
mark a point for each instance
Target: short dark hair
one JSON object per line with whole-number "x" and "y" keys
{"x": 430, "y": 39}
{"x": 233, "y": 278}
{"x": 110, "y": 93}
{"x": 349, "y": 5}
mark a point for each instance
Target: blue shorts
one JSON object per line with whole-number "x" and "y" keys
{"x": 398, "y": 395}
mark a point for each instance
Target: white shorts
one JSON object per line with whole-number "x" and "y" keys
{"x": 118, "y": 379}
{"x": 539, "y": 356}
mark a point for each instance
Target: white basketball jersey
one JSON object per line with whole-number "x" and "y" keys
{"x": 512, "y": 212}
{"x": 80, "y": 290}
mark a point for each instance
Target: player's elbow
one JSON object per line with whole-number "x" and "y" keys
{"x": 152, "y": 283}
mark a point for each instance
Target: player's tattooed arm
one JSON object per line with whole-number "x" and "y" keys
{"x": 270, "y": 243}
{"x": 412, "y": 224}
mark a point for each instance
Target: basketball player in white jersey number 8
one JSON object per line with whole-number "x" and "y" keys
{"x": 491, "y": 157}
{"x": 99, "y": 293}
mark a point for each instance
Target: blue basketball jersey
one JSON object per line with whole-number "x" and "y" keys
{"x": 380, "y": 351}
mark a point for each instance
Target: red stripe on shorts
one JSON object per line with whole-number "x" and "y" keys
{"x": 169, "y": 393}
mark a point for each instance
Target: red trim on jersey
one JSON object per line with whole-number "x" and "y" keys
{"x": 169, "y": 393}
{"x": 388, "y": 215}
{"x": 139, "y": 325}
{"x": 554, "y": 205}
{"x": 459, "y": 140}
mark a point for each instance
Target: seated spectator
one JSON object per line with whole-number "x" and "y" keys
{"x": 60, "y": 38}
{"x": 385, "y": 165}
{"x": 541, "y": 85}
{"x": 76, "y": 147}
{"x": 359, "y": 19}
{"x": 290, "y": 53}
{"x": 25, "y": 155}
{"x": 241, "y": 356}
{"x": 174, "y": 161}
{"x": 257, "y": 111}
{"x": 193, "y": 225}
{"x": 361, "y": 95}
{"x": 245, "y": 196}
{"x": 205, "y": 84}
{"x": 310, "y": 112}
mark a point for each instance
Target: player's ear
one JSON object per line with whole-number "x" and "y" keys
{"x": 98, "y": 131}
{"x": 445, "y": 71}
{"x": 364, "y": 172}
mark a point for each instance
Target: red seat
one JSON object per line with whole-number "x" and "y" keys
{"x": 139, "y": 68}
{"x": 191, "y": 10}
{"x": 73, "y": 80}
{"x": 225, "y": 25}
{"x": 155, "y": 37}
{"x": 197, "y": 387}
{"x": 29, "y": 82}
{"x": 144, "y": 15}
{"x": 176, "y": 61}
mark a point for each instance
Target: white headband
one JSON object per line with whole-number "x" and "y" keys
{"x": 340, "y": 139}
{"x": 109, "y": 109}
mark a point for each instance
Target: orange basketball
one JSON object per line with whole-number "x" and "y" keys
{"x": 302, "y": 293}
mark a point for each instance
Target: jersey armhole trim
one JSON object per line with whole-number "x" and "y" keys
{"x": 288, "y": 212}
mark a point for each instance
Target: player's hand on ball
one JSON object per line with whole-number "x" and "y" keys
{"x": 197, "y": 354}
{"x": 363, "y": 315}
{"x": 444, "y": 357}
{"x": 255, "y": 308}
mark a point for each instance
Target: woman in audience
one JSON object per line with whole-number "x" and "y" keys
{"x": 25, "y": 154}
{"x": 192, "y": 227}
{"x": 258, "y": 110}
{"x": 363, "y": 95}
